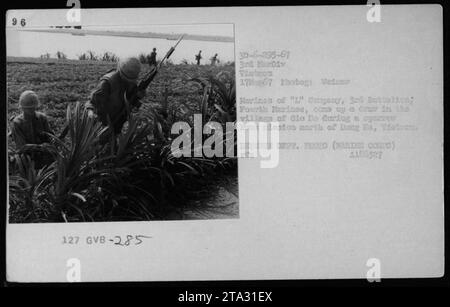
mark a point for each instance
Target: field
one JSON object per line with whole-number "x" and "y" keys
{"x": 60, "y": 83}
{"x": 195, "y": 187}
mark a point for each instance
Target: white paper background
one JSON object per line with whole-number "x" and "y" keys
{"x": 317, "y": 215}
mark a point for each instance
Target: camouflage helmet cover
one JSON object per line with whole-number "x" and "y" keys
{"x": 129, "y": 68}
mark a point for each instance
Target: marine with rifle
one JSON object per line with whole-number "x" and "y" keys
{"x": 214, "y": 60}
{"x": 151, "y": 59}
{"x": 119, "y": 92}
{"x": 108, "y": 101}
{"x": 198, "y": 57}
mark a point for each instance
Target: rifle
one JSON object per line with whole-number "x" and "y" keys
{"x": 142, "y": 85}
{"x": 148, "y": 78}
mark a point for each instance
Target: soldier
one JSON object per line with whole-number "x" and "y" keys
{"x": 30, "y": 126}
{"x": 109, "y": 101}
{"x": 198, "y": 57}
{"x": 152, "y": 58}
{"x": 214, "y": 59}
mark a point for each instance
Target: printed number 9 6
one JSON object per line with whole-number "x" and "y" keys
{"x": 22, "y": 22}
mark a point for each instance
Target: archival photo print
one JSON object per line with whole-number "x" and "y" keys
{"x": 227, "y": 143}
{"x": 120, "y": 123}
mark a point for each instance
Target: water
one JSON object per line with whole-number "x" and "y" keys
{"x": 34, "y": 44}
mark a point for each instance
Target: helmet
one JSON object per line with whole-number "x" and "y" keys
{"x": 28, "y": 99}
{"x": 129, "y": 68}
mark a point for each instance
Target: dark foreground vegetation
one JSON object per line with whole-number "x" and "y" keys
{"x": 129, "y": 178}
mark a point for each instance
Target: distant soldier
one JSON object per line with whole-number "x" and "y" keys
{"x": 109, "y": 101}
{"x": 30, "y": 126}
{"x": 198, "y": 57}
{"x": 152, "y": 58}
{"x": 214, "y": 60}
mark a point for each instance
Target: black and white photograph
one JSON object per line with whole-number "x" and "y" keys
{"x": 93, "y": 114}
{"x": 224, "y": 144}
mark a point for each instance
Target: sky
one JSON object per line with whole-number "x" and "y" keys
{"x": 34, "y": 44}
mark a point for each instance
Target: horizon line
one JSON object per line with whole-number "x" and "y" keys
{"x": 167, "y": 36}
